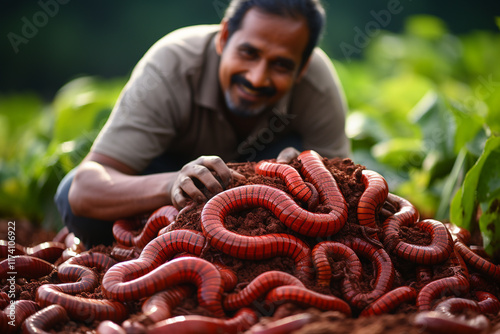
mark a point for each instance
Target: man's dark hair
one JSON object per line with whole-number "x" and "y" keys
{"x": 311, "y": 10}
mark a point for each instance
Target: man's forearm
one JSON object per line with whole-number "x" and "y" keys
{"x": 104, "y": 193}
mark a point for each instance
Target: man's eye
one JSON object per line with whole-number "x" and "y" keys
{"x": 249, "y": 53}
{"x": 283, "y": 66}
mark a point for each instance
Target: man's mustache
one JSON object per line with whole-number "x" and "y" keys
{"x": 266, "y": 91}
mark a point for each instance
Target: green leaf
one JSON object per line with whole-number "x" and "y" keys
{"x": 481, "y": 187}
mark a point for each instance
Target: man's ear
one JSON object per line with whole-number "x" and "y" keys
{"x": 222, "y": 37}
{"x": 303, "y": 70}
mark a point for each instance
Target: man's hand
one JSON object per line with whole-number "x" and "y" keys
{"x": 210, "y": 171}
{"x": 287, "y": 155}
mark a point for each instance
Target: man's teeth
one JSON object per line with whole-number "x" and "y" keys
{"x": 249, "y": 91}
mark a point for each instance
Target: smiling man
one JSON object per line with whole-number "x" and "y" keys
{"x": 254, "y": 87}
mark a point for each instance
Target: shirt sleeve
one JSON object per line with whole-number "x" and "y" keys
{"x": 139, "y": 127}
{"x": 319, "y": 103}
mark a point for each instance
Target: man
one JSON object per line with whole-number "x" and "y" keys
{"x": 253, "y": 87}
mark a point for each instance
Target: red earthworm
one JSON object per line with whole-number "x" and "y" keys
{"x": 160, "y": 305}
{"x": 124, "y": 253}
{"x": 243, "y": 319}
{"x": 49, "y": 251}
{"x": 375, "y": 194}
{"x": 325, "y": 250}
{"x": 158, "y": 251}
{"x": 406, "y": 215}
{"x": 26, "y": 266}
{"x": 384, "y": 272}
{"x": 260, "y": 247}
{"x": 390, "y": 301}
{"x": 79, "y": 308}
{"x": 487, "y": 302}
{"x": 458, "y": 233}
{"x": 283, "y": 325}
{"x": 437, "y": 251}
{"x": 258, "y": 287}
{"x": 280, "y": 203}
{"x": 17, "y": 312}
{"x": 452, "y": 306}
{"x": 456, "y": 284}
{"x": 78, "y": 271}
{"x": 229, "y": 277}
{"x": 306, "y": 297}
{"x": 109, "y": 327}
{"x": 45, "y": 319}
{"x": 160, "y": 218}
{"x": 4, "y": 299}
{"x": 480, "y": 264}
{"x": 437, "y": 322}
{"x": 316, "y": 172}
{"x": 287, "y": 173}
{"x": 200, "y": 272}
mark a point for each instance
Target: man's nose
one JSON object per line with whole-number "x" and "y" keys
{"x": 258, "y": 75}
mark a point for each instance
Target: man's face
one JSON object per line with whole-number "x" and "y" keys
{"x": 260, "y": 62}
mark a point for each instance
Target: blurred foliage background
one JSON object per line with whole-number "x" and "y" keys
{"x": 422, "y": 80}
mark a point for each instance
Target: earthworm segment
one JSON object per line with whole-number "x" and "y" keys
{"x": 351, "y": 245}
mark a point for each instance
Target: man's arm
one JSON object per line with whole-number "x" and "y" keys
{"x": 104, "y": 188}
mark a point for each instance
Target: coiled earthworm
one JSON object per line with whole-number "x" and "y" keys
{"x": 477, "y": 262}
{"x": 316, "y": 172}
{"x": 78, "y": 271}
{"x": 284, "y": 325}
{"x": 259, "y": 247}
{"x": 437, "y": 322}
{"x": 326, "y": 250}
{"x": 160, "y": 218}
{"x": 383, "y": 268}
{"x": 457, "y": 284}
{"x": 375, "y": 194}
{"x": 306, "y": 297}
{"x": 299, "y": 189}
{"x": 25, "y": 265}
{"x": 45, "y": 319}
{"x": 487, "y": 302}
{"x": 280, "y": 203}
{"x": 258, "y": 287}
{"x": 17, "y": 312}
{"x": 406, "y": 215}
{"x": 243, "y": 319}
{"x": 437, "y": 251}
{"x": 49, "y": 251}
{"x": 390, "y": 301}
{"x": 186, "y": 269}
{"x": 160, "y": 305}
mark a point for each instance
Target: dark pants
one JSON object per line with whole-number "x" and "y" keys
{"x": 93, "y": 232}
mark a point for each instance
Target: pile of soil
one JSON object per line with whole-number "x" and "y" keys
{"x": 260, "y": 221}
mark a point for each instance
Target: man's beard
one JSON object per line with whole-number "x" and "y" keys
{"x": 242, "y": 107}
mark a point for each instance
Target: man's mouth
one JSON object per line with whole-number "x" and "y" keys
{"x": 247, "y": 88}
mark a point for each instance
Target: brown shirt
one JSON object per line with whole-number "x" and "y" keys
{"x": 173, "y": 102}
